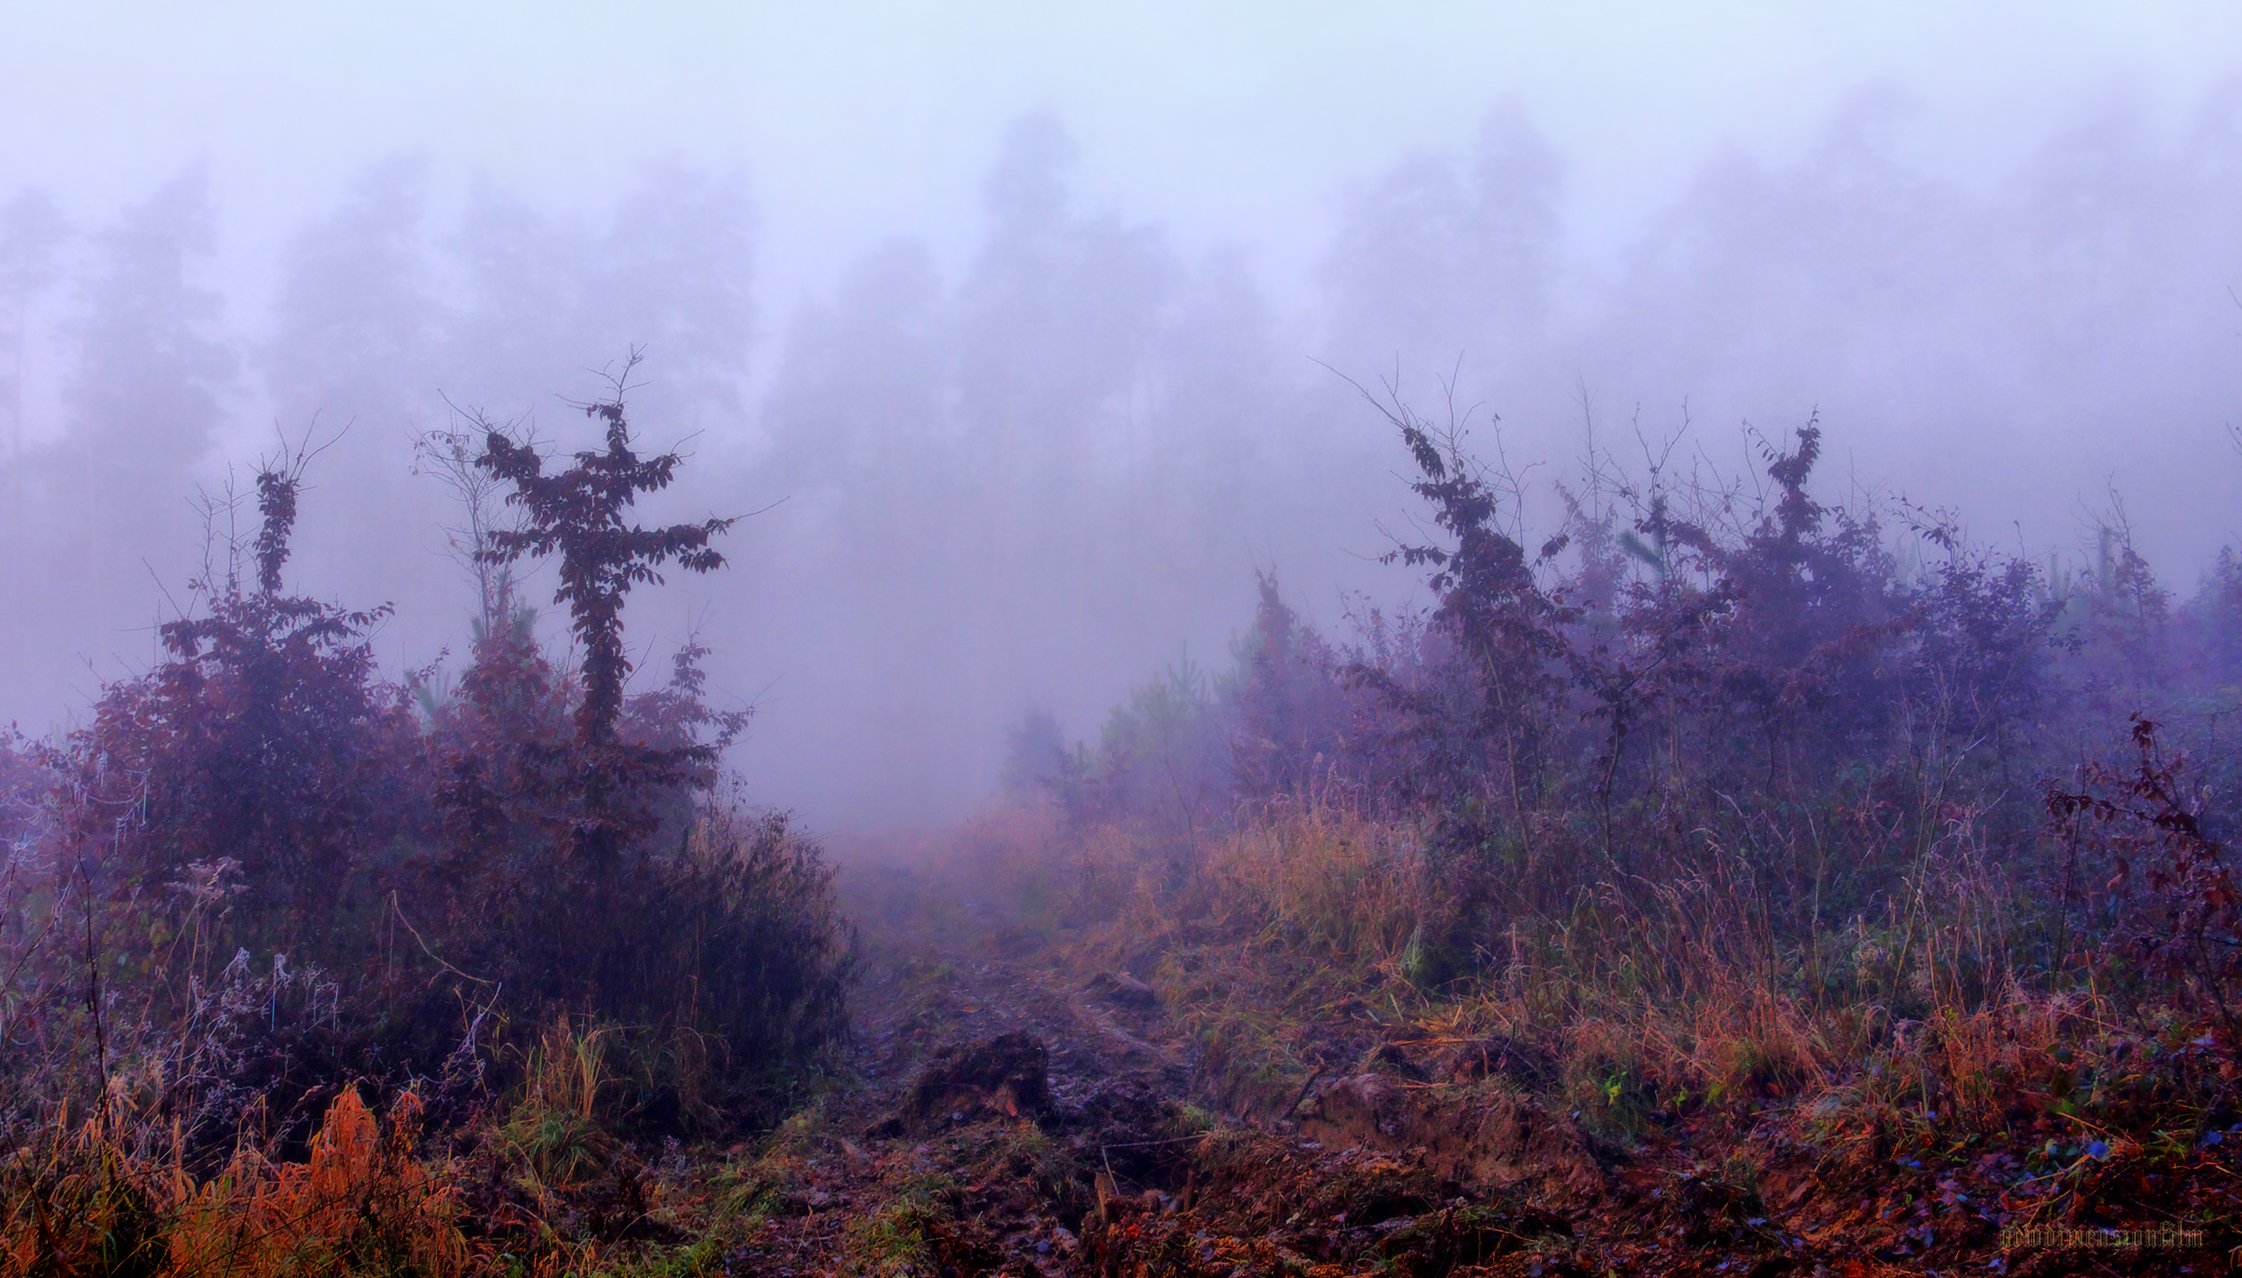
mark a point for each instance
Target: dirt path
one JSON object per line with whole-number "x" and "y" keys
{"x": 990, "y": 1107}
{"x": 1004, "y": 1113}
{"x": 918, "y": 998}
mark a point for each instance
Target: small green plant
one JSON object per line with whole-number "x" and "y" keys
{"x": 559, "y": 1132}
{"x": 901, "y": 1238}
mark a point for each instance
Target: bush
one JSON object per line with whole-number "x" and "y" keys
{"x": 265, "y": 870}
{"x": 264, "y": 739}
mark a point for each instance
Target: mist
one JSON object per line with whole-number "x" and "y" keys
{"x": 1027, "y": 339}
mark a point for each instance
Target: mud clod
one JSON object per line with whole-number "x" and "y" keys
{"x": 1008, "y": 1076}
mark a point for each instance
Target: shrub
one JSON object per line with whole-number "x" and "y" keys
{"x": 361, "y": 1202}
{"x": 264, "y": 868}
{"x": 265, "y": 738}
{"x": 2165, "y": 879}
{"x": 1291, "y": 711}
{"x": 578, "y": 515}
{"x": 1504, "y": 631}
{"x": 608, "y": 881}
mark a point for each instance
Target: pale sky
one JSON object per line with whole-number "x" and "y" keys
{"x": 1231, "y": 120}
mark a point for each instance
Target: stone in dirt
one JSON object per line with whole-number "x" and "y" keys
{"x": 1007, "y": 1076}
{"x": 1123, "y": 989}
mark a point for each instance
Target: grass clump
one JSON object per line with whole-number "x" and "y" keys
{"x": 902, "y": 1238}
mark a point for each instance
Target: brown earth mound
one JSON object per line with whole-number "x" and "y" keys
{"x": 1007, "y": 1076}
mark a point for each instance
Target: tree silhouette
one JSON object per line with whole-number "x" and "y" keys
{"x": 153, "y": 375}
{"x": 580, "y": 514}
{"x": 31, "y": 233}
{"x": 1443, "y": 253}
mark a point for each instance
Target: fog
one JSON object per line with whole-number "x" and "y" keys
{"x": 1026, "y": 331}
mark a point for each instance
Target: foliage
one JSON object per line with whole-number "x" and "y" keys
{"x": 1291, "y": 718}
{"x": 363, "y": 1200}
{"x": 579, "y": 515}
{"x": 266, "y": 876}
{"x": 1710, "y": 827}
{"x": 1505, "y": 630}
{"x": 264, "y": 738}
{"x": 2177, "y": 905}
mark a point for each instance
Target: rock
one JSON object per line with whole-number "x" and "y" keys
{"x": 1364, "y": 1109}
{"x": 1123, "y": 989}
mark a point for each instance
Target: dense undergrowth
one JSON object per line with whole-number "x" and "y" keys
{"x": 1809, "y": 839}
{"x": 303, "y": 970}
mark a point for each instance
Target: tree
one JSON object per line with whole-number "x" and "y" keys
{"x": 1060, "y": 312}
{"x": 1443, "y": 252}
{"x": 32, "y": 229}
{"x": 152, "y": 378}
{"x": 580, "y": 514}
{"x": 357, "y": 318}
{"x": 674, "y": 273}
{"x": 31, "y": 232}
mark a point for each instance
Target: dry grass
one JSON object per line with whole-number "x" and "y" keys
{"x": 556, "y": 1135}
{"x": 361, "y": 1203}
{"x": 1327, "y": 879}
{"x": 88, "y": 1199}
{"x": 1289, "y": 950}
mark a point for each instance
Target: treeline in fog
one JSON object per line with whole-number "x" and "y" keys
{"x": 1019, "y": 461}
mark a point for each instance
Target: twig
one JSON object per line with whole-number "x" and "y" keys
{"x": 1313, "y": 1076}
{"x": 423, "y": 943}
